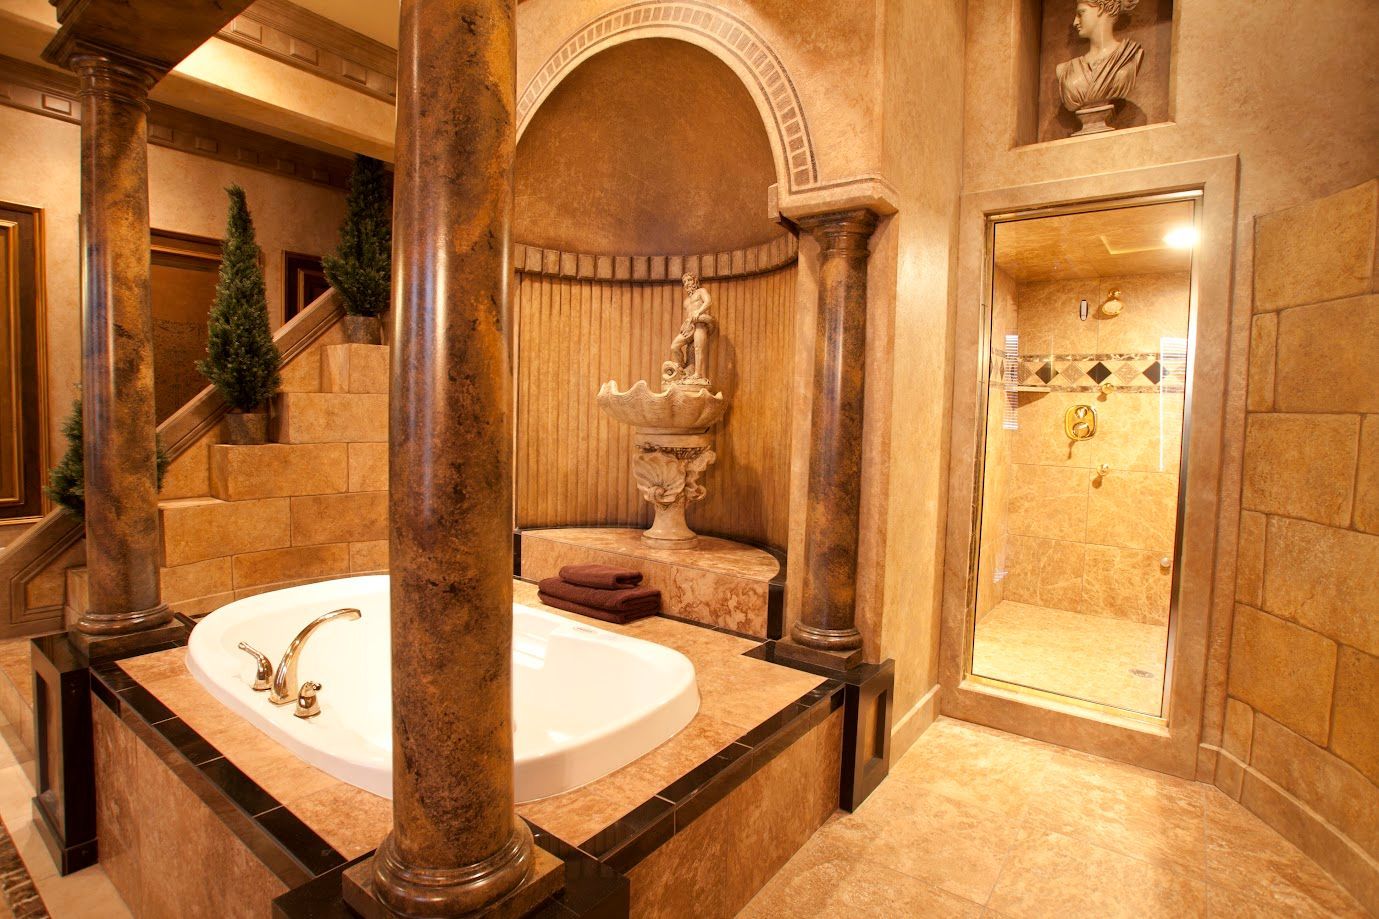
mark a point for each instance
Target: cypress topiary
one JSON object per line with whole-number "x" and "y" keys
{"x": 242, "y": 359}
{"x": 361, "y": 270}
{"x": 67, "y": 480}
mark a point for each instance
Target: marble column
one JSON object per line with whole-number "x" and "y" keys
{"x": 829, "y": 587}
{"x": 456, "y": 845}
{"x": 122, "y": 538}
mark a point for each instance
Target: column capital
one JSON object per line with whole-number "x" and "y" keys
{"x": 841, "y": 232}
{"x": 112, "y": 76}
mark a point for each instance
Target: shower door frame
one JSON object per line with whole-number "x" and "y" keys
{"x": 1168, "y": 743}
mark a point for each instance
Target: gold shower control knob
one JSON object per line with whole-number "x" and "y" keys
{"x": 1079, "y": 422}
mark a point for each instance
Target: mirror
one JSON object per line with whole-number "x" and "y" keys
{"x": 1089, "y": 323}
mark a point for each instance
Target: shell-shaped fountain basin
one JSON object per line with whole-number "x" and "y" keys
{"x": 677, "y": 409}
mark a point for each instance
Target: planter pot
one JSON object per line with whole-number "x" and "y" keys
{"x": 243, "y": 428}
{"x": 363, "y": 330}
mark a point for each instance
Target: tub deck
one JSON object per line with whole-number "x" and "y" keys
{"x": 739, "y": 696}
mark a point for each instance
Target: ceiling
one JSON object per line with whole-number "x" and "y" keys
{"x": 1091, "y": 244}
{"x": 375, "y": 18}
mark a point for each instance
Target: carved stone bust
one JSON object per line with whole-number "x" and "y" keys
{"x": 1091, "y": 84}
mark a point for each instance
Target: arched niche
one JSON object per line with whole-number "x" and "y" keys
{"x": 649, "y": 158}
{"x": 651, "y": 147}
{"x": 732, "y": 40}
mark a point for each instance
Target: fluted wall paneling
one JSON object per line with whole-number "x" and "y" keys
{"x": 574, "y": 463}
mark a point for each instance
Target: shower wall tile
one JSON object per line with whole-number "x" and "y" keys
{"x": 1340, "y": 793}
{"x": 1134, "y": 510}
{"x": 1249, "y": 561}
{"x": 1321, "y": 250}
{"x": 1301, "y": 465}
{"x": 1049, "y": 501}
{"x": 1048, "y": 320}
{"x": 1263, "y": 355}
{"x": 1324, "y": 579}
{"x": 1045, "y": 572}
{"x": 1126, "y": 584}
{"x": 1284, "y": 671}
{"x": 1326, "y": 357}
{"x": 1355, "y": 735}
{"x": 1155, "y": 308}
{"x": 1367, "y": 478}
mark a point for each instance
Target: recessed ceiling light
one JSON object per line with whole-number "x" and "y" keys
{"x": 1184, "y": 237}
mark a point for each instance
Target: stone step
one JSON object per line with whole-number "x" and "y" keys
{"x": 239, "y": 473}
{"x": 354, "y": 369}
{"x": 17, "y": 695}
{"x": 313, "y": 418}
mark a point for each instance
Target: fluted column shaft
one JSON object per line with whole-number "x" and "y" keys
{"x": 456, "y": 844}
{"x": 832, "y": 513}
{"x": 122, "y": 550}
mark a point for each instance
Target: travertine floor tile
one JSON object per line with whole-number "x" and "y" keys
{"x": 952, "y": 845}
{"x": 1029, "y": 830}
{"x": 1049, "y": 874}
{"x": 826, "y": 880}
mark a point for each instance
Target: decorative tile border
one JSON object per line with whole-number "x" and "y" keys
{"x": 320, "y": 46}
{"x": 1140, "y": 372}
{"x": 656, "y": 269}
{"x": 731, "y": 36}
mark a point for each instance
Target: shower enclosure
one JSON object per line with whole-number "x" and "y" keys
{"x": 1087, "y": 332}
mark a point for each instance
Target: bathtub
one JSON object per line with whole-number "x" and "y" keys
{"x": 585, "y": 701}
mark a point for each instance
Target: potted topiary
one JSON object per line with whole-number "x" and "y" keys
{"x": 67, "y": 480}
{"x": 361, "y": 270}
{"x": 242, "y": 360}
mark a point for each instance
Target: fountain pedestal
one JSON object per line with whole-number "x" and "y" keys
{"x": 667, "y": 466}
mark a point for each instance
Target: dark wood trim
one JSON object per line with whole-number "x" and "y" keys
{"x": 32, "y": 326}
{"x": 53, "y": 94}
{"x": 320, "y": 46}
{"x": 294, "y": 265}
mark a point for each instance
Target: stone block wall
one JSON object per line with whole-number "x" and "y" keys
{"x": 1302, "y": 715}
{"x": 241, "y": 520}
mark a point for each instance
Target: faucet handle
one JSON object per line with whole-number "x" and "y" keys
{"x": 307, "y": 706}
{"x": 263, "y": 676}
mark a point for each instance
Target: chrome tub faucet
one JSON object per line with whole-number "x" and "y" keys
{"x": 285, "y": 687}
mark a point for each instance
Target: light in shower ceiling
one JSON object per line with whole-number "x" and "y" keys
{"x": 1183, "y": 237}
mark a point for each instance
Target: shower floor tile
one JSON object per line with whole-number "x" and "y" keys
{"x": 1099, "y": 659}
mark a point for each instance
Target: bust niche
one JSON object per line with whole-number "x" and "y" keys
{"x": 1091, "y": 67}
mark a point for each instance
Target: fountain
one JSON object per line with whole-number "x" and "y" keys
{"x": 672, "y": 447}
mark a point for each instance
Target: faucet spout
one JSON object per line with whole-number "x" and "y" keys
{"x": 285, "y": 683}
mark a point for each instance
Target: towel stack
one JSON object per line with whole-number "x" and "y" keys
{"x": 600, "y": 592}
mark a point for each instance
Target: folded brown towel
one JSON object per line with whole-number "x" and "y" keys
{"x": 605, "y": 576}
{"x": 604, "y": 615}
{"x": 627, "y": 600}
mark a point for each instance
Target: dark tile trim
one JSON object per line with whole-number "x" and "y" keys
{"x": 617, "y": 848}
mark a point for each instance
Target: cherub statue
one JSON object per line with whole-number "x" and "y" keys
{"x": 689, "y": 350}
{"x": 1091, "y": 84}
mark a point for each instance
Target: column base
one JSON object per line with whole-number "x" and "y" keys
{"x": 100, "y": 647}
{"x": 834, "y": 659}
{"x": 545, "y": 876}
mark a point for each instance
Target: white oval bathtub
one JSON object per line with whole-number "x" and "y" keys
{"x": 585, "y": 701}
